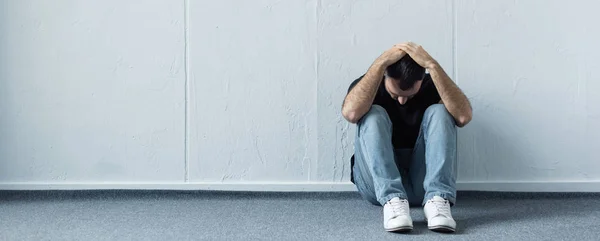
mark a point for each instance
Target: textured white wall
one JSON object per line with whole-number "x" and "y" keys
{"x": 530, "y": 69}
{"x": 236, "y": 94}
{"x": 91, "y": 91}
{"x": 252, "y": 90}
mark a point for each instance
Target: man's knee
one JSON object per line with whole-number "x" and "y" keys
{"x": 377, "y": 115}
{"x": 438, "y": 113}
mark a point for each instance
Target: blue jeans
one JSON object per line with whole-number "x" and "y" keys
{"x": 429, "y": 169}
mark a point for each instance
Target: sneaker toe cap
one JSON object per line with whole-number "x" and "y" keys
{"x": 441, "y": 221}
{"x": 401, "y": 221}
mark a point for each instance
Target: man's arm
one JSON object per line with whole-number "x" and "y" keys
{"x": 453, "y": 98}
{"x": 359, "y": 99}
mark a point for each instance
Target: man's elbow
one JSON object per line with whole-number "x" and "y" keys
{"x": 464, "y": 119}
{"x": 351, "y": 116}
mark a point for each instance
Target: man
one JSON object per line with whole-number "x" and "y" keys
{"x": 405, "y": 145}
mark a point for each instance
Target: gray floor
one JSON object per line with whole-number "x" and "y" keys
{"x": 172, "y": 215}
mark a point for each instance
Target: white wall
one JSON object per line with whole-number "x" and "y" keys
{"x": 529, "y": 68}
{"x": 91, "y": 91}
{"x": 245, "y": 95}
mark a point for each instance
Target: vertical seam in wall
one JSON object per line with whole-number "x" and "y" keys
{"x": 310, "y": 167}
{"x": 454, "y": 41}
{"x": 455, "y": 66}
{"x": 186, "y": 84}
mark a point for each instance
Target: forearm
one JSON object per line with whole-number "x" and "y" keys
{"x": 360, "y": 98}
{"x": 453, "y": 98}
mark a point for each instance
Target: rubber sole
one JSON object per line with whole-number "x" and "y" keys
{"x": 400, "y": 229}
{"x": 441, "y": 229}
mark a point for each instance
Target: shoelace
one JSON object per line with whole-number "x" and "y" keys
{"x": 398, "y": 207}
{"x": 443, "y": 207}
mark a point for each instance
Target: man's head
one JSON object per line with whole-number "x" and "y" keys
{"x": 403, "y": 79}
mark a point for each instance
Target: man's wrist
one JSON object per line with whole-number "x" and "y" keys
{"x": 433, "y": 65}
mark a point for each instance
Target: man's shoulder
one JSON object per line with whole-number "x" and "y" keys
{"x": 429, "y": 92}
{"x": 427, "y": 78}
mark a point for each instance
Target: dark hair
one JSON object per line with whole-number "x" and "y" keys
{"x": 406, "y": 71}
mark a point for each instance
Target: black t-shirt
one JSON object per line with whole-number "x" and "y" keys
{"x": 406, "y": 119}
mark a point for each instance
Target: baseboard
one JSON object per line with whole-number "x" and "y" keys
{"x": 523, "y": 186}
{"x": 217, "y": 186}
{"x": 530, "y": 186}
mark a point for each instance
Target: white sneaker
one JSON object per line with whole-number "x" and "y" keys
{"x": 438, "y": 215}
{"x": 396, "y": 216}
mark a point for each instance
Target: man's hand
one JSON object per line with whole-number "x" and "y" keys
{"x": 390, "y": 56}
{"x": 419, "y": 54}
